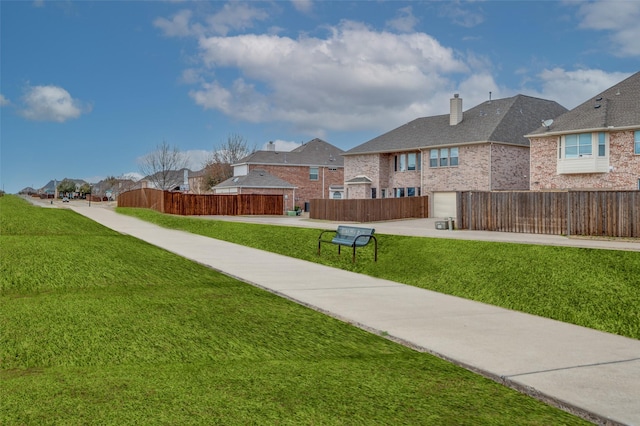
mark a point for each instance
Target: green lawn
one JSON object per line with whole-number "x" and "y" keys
{"x": 599, "y": 289}
{"x": 101, "y": 328}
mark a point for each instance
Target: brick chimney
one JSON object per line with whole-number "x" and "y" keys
{"x": 455, "y": 117}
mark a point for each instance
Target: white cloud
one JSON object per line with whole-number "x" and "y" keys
{"x": 304, "y": 6}
{"x": 235, "y": 16}
{"x": 620, "y": 18}
{"x": 51, "y": 103}
{"x": 196, "y": 158}
{"x": 134, "y": 176}
{"x": 463, "y": 16}
{"x": 178, "y": 26}
{"x": 280, "y": 145}
{"x": 353, "y": 79}
{"x": 4, "y": 101}
{"x": 232, "y": 16}
{"x": 571, "y": 88}
{"x": 94, "y": 179}
{"x": 405, "y": 21}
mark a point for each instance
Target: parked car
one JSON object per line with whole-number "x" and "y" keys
{"x": 65, "y": 199}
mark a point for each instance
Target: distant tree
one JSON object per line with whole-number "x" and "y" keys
{"x": 162, "y": 166}
{"x": 218, "y": 167}
{"x": 85, "y": 188}
{"x": 67, "y": 186}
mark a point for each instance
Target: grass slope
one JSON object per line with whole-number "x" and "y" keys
{"x": 599, "y": 289}
{"x": 101, "y": 328}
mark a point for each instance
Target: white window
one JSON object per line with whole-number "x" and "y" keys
{"x": 636, "y": 148}
{"x": 583, "y": 153}
{"x": 443, "y": 157}
{"x": 576, "y": 146}
{"x": 313, "y": 173}
{"x": 453, "y": 157}
{"x": 411, "y": 161}
{"x": 433, "y": 158}
{"x": 602, "y": 146}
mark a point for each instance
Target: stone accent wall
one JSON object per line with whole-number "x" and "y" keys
{"x": 358, "y": 191}
{"x": 509, "y": 167}
{"x": 471, "y": 174}
{"x": 624, "y": 176}
{"x": 307, "y": 189}
{"x": 380, "y": 169}
{"x": 359, "y": 165}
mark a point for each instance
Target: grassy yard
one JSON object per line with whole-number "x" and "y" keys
{"x": 599, "y": 289}
{"x": 101, "y": 328}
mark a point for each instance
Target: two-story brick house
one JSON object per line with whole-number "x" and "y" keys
{"x": 594, "y": 146}
{"x": 481, "y": 149}
{"x": 313, "y": 170}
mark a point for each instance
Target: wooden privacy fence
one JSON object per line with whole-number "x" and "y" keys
{"x": 202, "y": 204}
{"x": 369, "y": 210}
{"x": 594, "y": 213}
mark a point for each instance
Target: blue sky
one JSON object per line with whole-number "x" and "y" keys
{"x": 88, "y": 88}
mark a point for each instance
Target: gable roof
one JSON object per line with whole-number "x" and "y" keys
{"x": 502, "y": 120}
{"x": 618, "y": 106}
{"x": 256, "y": 178}
{"x": 313, "y": 153}
{"x": 360, "y": 179}
{"x": 52, "y": 184}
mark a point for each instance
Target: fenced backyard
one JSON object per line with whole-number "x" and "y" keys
{"x": 371, "y": 210}
{"x": 588, "y": 213}
{"x": 202, "y": 204}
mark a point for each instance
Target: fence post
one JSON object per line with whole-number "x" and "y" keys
{"x": 469, "y": 213}
{"x": 568, "y": 213}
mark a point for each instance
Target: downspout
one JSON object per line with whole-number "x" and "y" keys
{"x": 323, "y": 183}
{"x": 490, "y": 166}
{"x": 421, "y": 173}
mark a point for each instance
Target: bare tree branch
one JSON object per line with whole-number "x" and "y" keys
{"x": 218, "y": 168}
{"x": 164, "y": 166}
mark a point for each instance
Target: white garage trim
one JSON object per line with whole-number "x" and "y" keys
{"x": 443, "y": 204}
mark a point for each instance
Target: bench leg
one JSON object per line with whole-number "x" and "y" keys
{"x": 339, "y": 249}
{"x": 353, "y": 260}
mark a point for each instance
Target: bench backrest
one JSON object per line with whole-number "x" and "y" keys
{"x": 347, "y": 235}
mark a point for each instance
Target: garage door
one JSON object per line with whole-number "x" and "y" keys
{"x": 444, "y": 204}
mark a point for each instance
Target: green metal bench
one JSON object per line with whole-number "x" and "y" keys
{"x": 350, "y": 236}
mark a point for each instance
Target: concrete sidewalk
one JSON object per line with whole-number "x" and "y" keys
{"x": 591, "y": 373}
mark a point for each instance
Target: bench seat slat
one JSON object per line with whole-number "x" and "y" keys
{"x": 351, "y": 236}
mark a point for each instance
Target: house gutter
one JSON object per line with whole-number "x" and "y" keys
{"x": 590, "y": 130}
{"x": 427, "y": 147}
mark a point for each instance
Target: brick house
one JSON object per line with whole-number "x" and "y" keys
{"x": 482, "y": 149}
{"x": 258, "y": 181}
{"x": 312, "y": 170}
{"x": 594, "y": 146}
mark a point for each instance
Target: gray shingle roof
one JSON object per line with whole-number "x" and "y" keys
{"x": 313, "y": 153}
{"x": 618, "y": 106}
{"x": 359, "y": 179}
{"x": 256, "y": 178}
{"x": 502, "y": 120}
